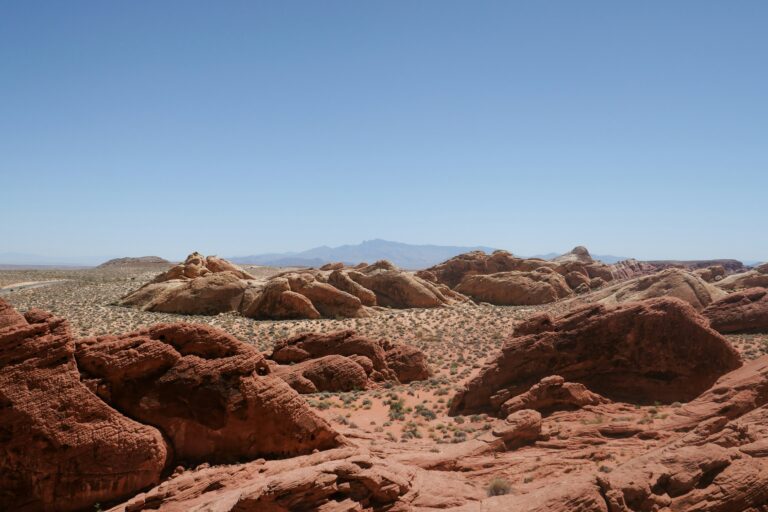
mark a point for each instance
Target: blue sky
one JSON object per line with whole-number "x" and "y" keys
{"x": 635, "y": 128}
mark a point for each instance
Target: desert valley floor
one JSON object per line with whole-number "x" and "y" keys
{"x": 409, "y": 424}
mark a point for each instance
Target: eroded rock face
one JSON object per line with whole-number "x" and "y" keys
{"x": 275, "y": 300}
{"x": 451, "y": 272}
{"x": 395, "y": 288}
{"x": 196, "y": 265}
{"x": 199, "y": 286}
{"x": 656, "y": 350}
{"x": 577, "y": 266}
{"x": 672, "y": 282}
{"x": 553, "y": 394}
{"x": 209, "y": 294}
{"x": 521, "y": 427}
{"x": 327, "y": 373}
{"x": 379, "y": 361}
{"x": 744, "y": 311}
{"x": 757, "y": 277}
{"x": 541, "y": 286}
{"x": 408, "y": 362}
{"x": 343, "y": 282}
{"x": 212, "y": 395}
{"x": 61, "y": 447}
{"x": 334, "y": 480}
{"x": 711, "y": 274}
{"x": 9, "y": 317}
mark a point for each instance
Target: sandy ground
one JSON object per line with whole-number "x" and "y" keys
{"x": 457, "y": 340}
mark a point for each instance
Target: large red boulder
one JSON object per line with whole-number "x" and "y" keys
{"x": 61, "y": 447}
{"x": 381, "y": 360}
{"x": 327, "y": 373}
{"x": 744, "y": 311}
{"x": 212, "y": 395}
{"x": 655, "y": 350}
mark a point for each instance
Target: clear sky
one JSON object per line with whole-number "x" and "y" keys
{"x": 144, "y": 127}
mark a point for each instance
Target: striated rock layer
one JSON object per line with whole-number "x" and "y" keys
{"x": 344, "y": 360}
{"x": 212, "y": 395}
{"x": 744, "y": 311}
{"x": 656, "y": 350}
{"x": 61, "y": 447}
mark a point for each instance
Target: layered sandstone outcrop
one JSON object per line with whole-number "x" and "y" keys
{"x": 61, "y": 447}
{"x": 210, "y": 394}
{"x": 100, "y": 419}
{"x": 344, "y": 360}
{"x": 210, "y": 285}
{"x": 743, "y": 311}
{"x": 671, "y": 282}
{"x": 656, "y": 350}
{"x": 757, "y": 277}
{"x": 553, "y": 394}
{"x": 501, "y": 278}
{"x": 541, "y": 286}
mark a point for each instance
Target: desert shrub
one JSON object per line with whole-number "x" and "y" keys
{"x": 499, "y": 487}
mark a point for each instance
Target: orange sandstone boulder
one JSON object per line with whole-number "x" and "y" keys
{"x": 210, "y": 394}
{"x": 61, "y": 447}
{"x": 541, "y": 286}
{"x": 643, "y": 352}
{"x": 744, "y": 311}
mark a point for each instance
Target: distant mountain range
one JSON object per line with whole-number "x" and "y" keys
{"x": 406, "y": 256}
{"x": 403, "y": 255}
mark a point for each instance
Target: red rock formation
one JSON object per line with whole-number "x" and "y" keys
{"x": 343, "y": 282}
{"x": 331, "y": 481}
{"x": 330, "y": 301}
{"x": 210, "y": 294}
{"x": 61, "y": 447}
{"x": 9, "y": 317}
{"x": 454, "y": 270}
{"x": 209, "y": 393}
{"x": 380, "y": 360}
{"x": 395, "y": 288}
{"x": 327, "y": 373}
{"x": 744, "y": 311}
{"x": 196, "y": 265}
{"x": 656, "y": 350}
{"x": 541, "y": 286}
{"x": 521, "y": 427}
{"x": 408, "y": 362}
{"x": 553, "y": 394}
{"x": 711, "y": 274}
{"x": 757, "y": 277}
{"x": 277, "y": 301}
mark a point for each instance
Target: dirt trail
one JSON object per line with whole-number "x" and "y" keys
{"x": 15, "y": 287}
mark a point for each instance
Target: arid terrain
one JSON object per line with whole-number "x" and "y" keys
{"x": 452, "y": 457}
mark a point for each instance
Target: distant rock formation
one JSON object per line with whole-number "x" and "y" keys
{"x": 757, "y": 277}
{"x": 655, "y": 350}
{"x": 672, "y": 282}
{"x": 540, "y": 286}
{"x": 503, "y": 279}
{"x": 210, "y": 285}
{"x": 743, "y": 311}
{"x": 578, "y": 254}
{"x": 141, "y": 261}
{"x": 730, "y": 266}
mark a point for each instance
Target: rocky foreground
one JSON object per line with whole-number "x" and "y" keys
{"x": 664, "y": 415}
